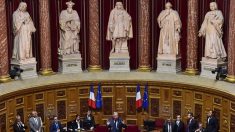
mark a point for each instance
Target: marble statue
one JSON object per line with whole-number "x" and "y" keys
{"x": 170, "y": 25}
{"x": 23, "y": 28}
{"x": 69, "y": 31}
{"x": 211, "y": 29}
{"x": 119, "y": 28}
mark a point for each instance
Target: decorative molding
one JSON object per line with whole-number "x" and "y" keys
{"x": 60, "y": 93}
{"x": 61, "y": 109}
{"x": 108, "y": 105}
{"x": 20, "y": 101}
{"x": 39, "y": 96}
{"x": 154, "y": 107}
{"x": 2, "y": 106}
{"x": 131, "y": 105}
{"x": 111, "y": 83}
{"x": 177, "y": 105}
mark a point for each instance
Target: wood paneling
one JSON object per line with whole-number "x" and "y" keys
{"x": 83, "y": 106}
{"x": 3, "y": 123}
{"x": 198, "y": 112}
{"x": 176, "y": 108}
{"x": 108, "y": 105}
{"x": 232, "y": 123}
{"x": 131, "y": 105}
{"x": 165, "y": 100}
{"x": 61, "y": 109}
{"x": 154, "y": 107}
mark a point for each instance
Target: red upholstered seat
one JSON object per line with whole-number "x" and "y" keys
{"x": 101, "y": 128}
{"x": 132, "y": 128}
{"x": 159, "y": 123}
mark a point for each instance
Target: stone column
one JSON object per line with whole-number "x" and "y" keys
{"x": 231, "y": 44}
{"x": 45, "y": 37}
{"x": 4, "y": 64}
{"x": 192, "y": 37}
{"x": 144, "y": 35}
{"x": 94, "y": 35}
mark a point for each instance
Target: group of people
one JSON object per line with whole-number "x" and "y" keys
{"x": 115, "y": 124}
{"x": 192, "y": 125}
{"x": 87, "y": 123}
{"x": 35, "y": 123}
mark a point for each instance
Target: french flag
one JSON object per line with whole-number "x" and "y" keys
{"x": 138, "y": 97}
{"x": 91, "y": 100}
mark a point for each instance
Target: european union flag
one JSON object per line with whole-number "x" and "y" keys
{"x": 145, "y": 104}
{"x": 99, "y": 98}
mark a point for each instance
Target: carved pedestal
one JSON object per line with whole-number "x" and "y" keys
{"x": 208, "y": 64}
{"x": 70, "y": 63}
{"x": 168, "y": 64}
{"x": 119, "y": 62}
{"x": 28, "y": 66}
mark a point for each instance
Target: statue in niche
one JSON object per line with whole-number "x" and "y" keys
{"x": 170, "y": 25}
{"x": 212, "y": 30}
{"x": 69, "y": 31}
{"x": 23, "y": 28}
{"x": 119, "y": 29}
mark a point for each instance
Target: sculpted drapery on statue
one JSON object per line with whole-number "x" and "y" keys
{"x": 170, "y": 24}
{"x": 211, "y": 29}
{"x": 119, "y": 28}
{"x": 23, "y": 28}
{"x": 69, "y": 33}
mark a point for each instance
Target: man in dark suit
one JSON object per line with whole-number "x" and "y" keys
{"x": 75, "y": 125}
{"x": 56, "y": 125}
{"x": 18, "y": 125}
{"x": 89, "y": 121}
{"x": 192, "y": 123}
{"x": 115, "y": 124}
{"x": 212, "y": 123}
{"x": 168, "y": 126}
{"x": 178, "y": 125}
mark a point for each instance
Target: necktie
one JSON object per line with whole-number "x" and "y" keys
{"x": 115, "y": 121}
{"x": 78, "y": 125}
{"x": 169, "y": 127}
{"x": 88, "y": 117}
{"x": 57, "y": 126}
{"x": 36, "y": 121}
{"x": 209, "y": 119}
{"x": 19, "y": 125}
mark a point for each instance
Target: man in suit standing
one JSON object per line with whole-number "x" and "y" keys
{"x": 35, "y": 123}
{"x": 168, "y": 126}
{"x": 178, "y": 125}
{"x": 212, "y": 123}
{"x": 192, "y": 123}
{"x": 18, "y": 125}
{"x": 75, "y": 125}
{"x": 56, "y": 125}
{"x": 115, "y": 124}
{"x": 89, "y": 121}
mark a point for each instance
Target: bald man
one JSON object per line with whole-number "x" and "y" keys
{"x": 115, "y": 124}
{"x": 35, "y": 123}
